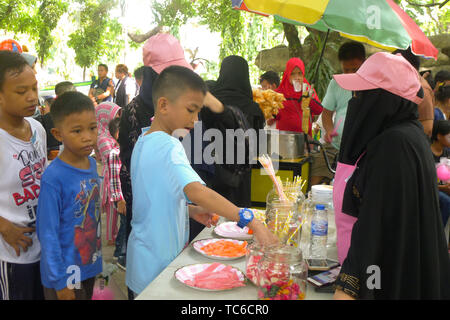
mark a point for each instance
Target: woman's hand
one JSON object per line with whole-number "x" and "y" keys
{"x": 341, "y": 295}
{"x": 213, "y": 103}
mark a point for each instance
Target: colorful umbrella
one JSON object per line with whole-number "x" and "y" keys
{"x": 380, "y": 23}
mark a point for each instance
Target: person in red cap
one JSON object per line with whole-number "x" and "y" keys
{"x": 290, "y": 117}
{"x": 398, "y": 248}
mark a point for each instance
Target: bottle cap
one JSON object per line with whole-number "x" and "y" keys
{"x": 320, "y": 207}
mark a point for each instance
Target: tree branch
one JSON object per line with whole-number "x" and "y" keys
{"x": 139, "y": 38}
{"x": 428, "y": 5}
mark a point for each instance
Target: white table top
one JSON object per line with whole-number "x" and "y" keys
{"x": 166, "y": 287}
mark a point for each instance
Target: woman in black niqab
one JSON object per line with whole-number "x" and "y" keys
{"x": 233, "y": 88}
{"x": 398, "y": 248}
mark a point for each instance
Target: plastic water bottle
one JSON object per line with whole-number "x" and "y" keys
{"x": 319, "y": 233}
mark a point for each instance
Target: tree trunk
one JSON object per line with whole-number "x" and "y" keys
{"x": 84, "y": 74}
{"x": 295, "y": 46}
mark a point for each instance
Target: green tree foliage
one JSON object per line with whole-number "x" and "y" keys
{"x": 49, "y": 13}
{"x": 36, "y": 18}
{"x": 97, "y": 33}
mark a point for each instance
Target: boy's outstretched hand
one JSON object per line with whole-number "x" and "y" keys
{"x": 15, "y": 236}
{"x": 261, "y": 233}
{"x": 65, "y": 294}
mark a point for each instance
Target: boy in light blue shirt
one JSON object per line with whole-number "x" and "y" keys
{"x": 164, "y": 183}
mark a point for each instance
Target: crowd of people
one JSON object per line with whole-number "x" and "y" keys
{"x": 379, "y": 116}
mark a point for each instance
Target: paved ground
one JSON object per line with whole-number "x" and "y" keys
{"x": 117, "y": 283}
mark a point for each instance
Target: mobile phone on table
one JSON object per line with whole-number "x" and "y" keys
{"x": 321, "y": 264}
{"x": 325, "y": 278}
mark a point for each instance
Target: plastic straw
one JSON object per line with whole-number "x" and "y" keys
{"x": 266, "y": 162}
{"x": 296, "y": 230}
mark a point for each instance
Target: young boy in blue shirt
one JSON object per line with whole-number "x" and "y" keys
{"x": 68, "y": 215}
{"x": 163, "y": 182}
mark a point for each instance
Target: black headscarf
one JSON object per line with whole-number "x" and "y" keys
{"x": 399, "y": 232}
{"x": 369, "y": 113}
{"x": 145, "y": 98}
{"x": 136, "y": 115}
{"x": 233, "y": 88}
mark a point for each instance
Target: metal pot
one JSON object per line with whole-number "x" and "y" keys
{"x": 285, "y": 144}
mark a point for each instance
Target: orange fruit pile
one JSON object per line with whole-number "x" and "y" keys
{"x": 223, "y": 248}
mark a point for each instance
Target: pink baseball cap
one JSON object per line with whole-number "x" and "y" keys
{"x": 164, "y": 50}
{"x": 386, "y": 71}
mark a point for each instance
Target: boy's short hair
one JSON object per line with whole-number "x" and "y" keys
{"x": 352, "y": 50}
{"x": 173, "y": 81}
{"x": 113, "y": 126}
{"x": 10, "y": 61}
{"x": 139, "y": 73}
{"x": 271, "y": 77}
{"x": 64, "y": 86}
{"x": 122, "y": 69}
{"x": 440, "y": 127}
{"x": 103, "y": 65}
{"x": 69, "y": 103}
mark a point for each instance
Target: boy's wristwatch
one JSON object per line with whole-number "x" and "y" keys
{"x": 245, "y": 217}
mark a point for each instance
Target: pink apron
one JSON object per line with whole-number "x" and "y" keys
{"x": 344, "y": 222}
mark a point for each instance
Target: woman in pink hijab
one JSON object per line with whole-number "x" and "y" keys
{"x": 108, "y": 149}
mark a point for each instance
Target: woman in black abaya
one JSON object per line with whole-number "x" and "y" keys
{"x": 233, "y": 89}
{"x": 398, "y": 248}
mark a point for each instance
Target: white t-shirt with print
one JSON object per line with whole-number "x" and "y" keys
{"x": 22, "y": 165}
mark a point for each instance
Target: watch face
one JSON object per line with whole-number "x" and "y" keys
{"x": 247, "y": 215}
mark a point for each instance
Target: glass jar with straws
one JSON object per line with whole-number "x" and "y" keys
{"x": 283, "y": 217}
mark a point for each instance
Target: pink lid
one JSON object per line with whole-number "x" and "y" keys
{"x": 386, "y": 71}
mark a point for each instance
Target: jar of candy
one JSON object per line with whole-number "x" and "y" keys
{"x": 282, "y": 274}
{"x": 255, "y": 252}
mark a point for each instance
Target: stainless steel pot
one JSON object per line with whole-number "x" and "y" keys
{"x": 285, "y": 144}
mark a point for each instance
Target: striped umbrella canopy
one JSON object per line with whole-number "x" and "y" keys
{"x": 380, "y": 23}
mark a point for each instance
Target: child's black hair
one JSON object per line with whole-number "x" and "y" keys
{"x": 69, "y": 103}
{"x": 352, "y": 50}
{"x": 271, "y": 77}
{"x": 441, "y": 76}
{"x": 114, "y": 126}
{"x": 443, "y": 93}
{"x": 139, "y": 73}
{"x": 173, "y": 81}
{"x": 10, "y": 61}
{"x": 441, "y": 127}
{"x": 103, "y": 65}
{"x": 64, "y": 86}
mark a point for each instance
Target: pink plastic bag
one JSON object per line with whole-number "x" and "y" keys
{"x": 344, "y": 222}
